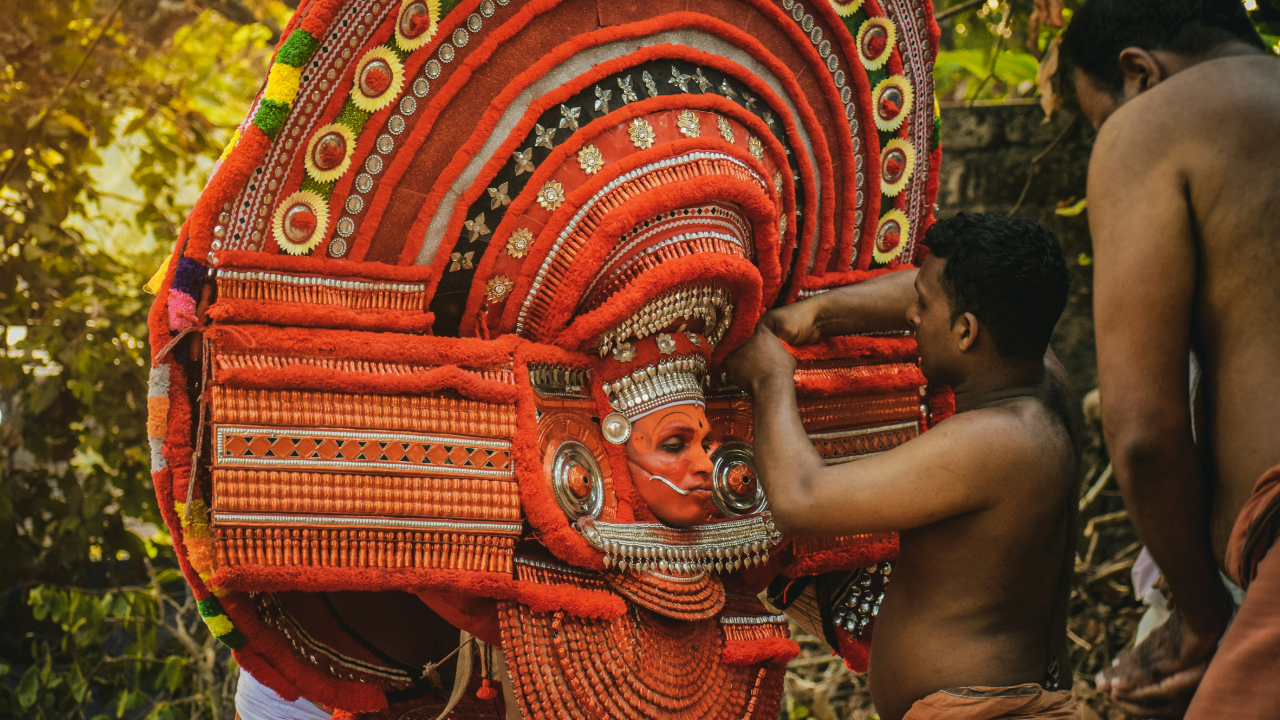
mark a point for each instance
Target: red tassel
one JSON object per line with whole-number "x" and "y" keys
{"x": 486, "y": 691}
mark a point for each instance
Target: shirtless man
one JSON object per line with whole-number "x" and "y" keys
{"x": 974, "y": 625}
{"x": 1184, "y": 207}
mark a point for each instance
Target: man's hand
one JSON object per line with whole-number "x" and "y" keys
{"x": 1158, "y": 677}
{"x": 796, "y": 324}
{"x": 762, "y": 357}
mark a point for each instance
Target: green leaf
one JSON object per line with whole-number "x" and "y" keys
{"x": 29, "y": 687}
{"x": 171, "y": 676}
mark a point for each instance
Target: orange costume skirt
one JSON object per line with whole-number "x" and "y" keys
{"x": 1241, "y": 678}
{"x": 1020, "y": 702}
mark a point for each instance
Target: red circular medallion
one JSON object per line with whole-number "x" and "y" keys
{"x": 329, "y": 152}
{"x": 415, "y": 20}
{"x": 375, "y": 77}
{"x": 874, "y": 41}
{"x": 889, "y": 236}
{"x": 890, "y": 103}
{"x": 299, "y": 223}
{"x": 895, "y": 162}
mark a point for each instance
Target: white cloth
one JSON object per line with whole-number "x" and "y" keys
{"x": 255, "y": 701}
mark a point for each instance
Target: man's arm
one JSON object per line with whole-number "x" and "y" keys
{"x": 935, "y": 476}
{"x": 1144, "y": 284}
{"x": 876, "y": 305}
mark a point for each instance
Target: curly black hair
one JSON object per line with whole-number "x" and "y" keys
{"x": 1007, "y": 271}
{"x": 1100, "y": 29}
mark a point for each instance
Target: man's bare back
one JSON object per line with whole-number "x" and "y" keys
{"x": 983, "y": 502}
{"x": 970, "y": 591}
{"x": 1209, "y": 137}
{"x": 1184, "y": 184}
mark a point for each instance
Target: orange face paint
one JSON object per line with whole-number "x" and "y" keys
{"x": 669, "y": 461}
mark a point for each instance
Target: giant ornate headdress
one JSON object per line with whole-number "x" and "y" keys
{"x": 454, "y": 254}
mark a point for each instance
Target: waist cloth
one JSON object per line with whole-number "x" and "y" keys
{"x": 1241, "y": 676}
{"x": 1018, "y": 702}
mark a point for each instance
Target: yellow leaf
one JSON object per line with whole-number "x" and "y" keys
{"x": 153, "y": 285}
{"x": 74, "y": 123}
{"x": 1072, "y": 210}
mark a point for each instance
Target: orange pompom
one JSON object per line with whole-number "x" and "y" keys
{"x": 487, "y": 691}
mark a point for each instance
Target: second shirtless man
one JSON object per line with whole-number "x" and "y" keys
{"x": 974, "y": 626}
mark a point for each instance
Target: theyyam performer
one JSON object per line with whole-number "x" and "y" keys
{"x": 441, "y": 426}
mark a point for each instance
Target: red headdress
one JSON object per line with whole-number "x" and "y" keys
{"x": 453, "y": 253}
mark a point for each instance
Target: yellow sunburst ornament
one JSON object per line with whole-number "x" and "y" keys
{"x": 891, "y": 235}
{"x": 891, "y": 102}
{"x": 876, "y": 39}
{"x": 301, "y": 221}
{"x": 845, "y": 9}
{"x": 417, "y": 23}
{"x": 378, "y": 81}
{"x": 897, "y": 162}
{"x": 329, "y": 152}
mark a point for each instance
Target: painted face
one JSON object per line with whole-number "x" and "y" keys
{"x": 668, "y": 459}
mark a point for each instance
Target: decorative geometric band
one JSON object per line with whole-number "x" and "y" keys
{"x": 413, "y": 413}
{"x": 308, "y": 547}
{"x": 354, "y": 450}
{"x": 284, "y": 491}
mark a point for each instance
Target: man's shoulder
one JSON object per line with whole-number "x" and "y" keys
{"x": 1191, "y": 103}
{"x": 1018, "y": 434}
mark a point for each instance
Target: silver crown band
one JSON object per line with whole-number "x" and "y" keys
{"x": 669, "y": 382}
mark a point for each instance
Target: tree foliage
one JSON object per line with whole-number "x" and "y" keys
{"x": 104, "y": 144}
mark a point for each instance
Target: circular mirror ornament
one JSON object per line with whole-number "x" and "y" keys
{"x": 300, "y": 222}
{"x": 876, "y": 39}
{"x": 891, "y": 101}
{"x": 735, "y": 487}
{"x": 576, "y": 479}
{"x": 417, "y": 23}
{"x": 890, "y": 236}
{"x": 897, "y": 162}
{"x": 378, "y": 81}
{"x": 616, "y": 428}
{"x": 329, "y": 152}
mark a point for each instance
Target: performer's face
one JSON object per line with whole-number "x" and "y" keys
{"x": 672, "y": 444}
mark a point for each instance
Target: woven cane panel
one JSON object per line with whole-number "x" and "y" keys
{"x": 829, "y": 413}
{"x": 321, "y": 547}
{"x": 431, "y": 414}
{"x": 754, "y": 628}
{"x": 276, "y": 491}
{"x": 856, "y": 373}
{"x": 354, "y": 294}
{"x": 638, "y": 666}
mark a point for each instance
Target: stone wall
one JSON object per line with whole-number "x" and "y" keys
{"x": 987, "y": 156}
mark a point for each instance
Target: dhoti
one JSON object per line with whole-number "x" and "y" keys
{"x": 1019, "y": 702}
{"x": 1241, "y": 678}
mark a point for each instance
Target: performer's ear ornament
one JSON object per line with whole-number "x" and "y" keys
{"x": 616, "y": 428}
